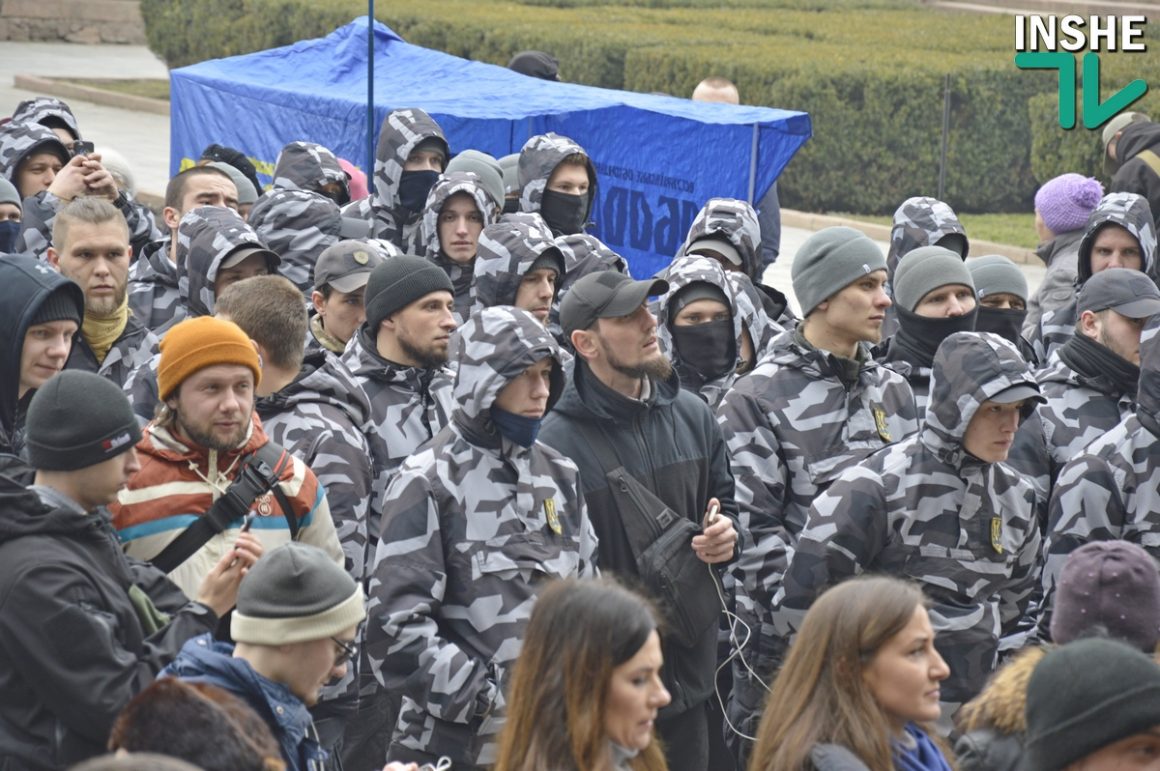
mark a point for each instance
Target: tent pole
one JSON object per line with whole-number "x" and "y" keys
{"x": 753, "y": 164}
{"x": 370, "y": 172}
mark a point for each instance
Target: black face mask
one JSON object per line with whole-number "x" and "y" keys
{"x": 414, "y": 187}
{"x": 919, "y": 336}
{"x": 564, "y": 213}
{"x": 705, "y": 351}
{"x": 1006, "y": 323}
{"x": 9, "y": 231}
{"x": 511, "y": 205}
{"x": 340, "y": 196}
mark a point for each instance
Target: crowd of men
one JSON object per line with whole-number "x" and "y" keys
{"x": 227, "y": 423}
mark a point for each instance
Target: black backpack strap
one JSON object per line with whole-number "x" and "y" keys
{"x": 257, "y": 476}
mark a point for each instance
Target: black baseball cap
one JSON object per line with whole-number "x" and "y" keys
{"x": 1128, "y": 292}
{"x": 605, "y": 295}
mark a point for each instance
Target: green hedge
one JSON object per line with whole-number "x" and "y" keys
{"x": 869, "y": 72}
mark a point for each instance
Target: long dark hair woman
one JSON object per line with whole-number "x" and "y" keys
{"x": 860, "y": 680}
{"x": 587, "y": 686}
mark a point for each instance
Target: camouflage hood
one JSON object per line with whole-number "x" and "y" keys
{"x": 507, "y": 250}
{"x": 733, "y": 220}
{"x": 307, "y": 166}
{"x": 969, "y": 369}
{"x": 583, "y": 254}
{"x": 322, "y": 380}
{"x": 748, "y": 306}
{"x": 494, "y": 347}
{"x": 42, "y": 108}
{"x": 1129, "y": 211}
{"x": 402, "y": 132}
{"x": 298, "y": 225}
{"x": 539, "y": 157}
{"x": 427, "y": 239}
{"x": 1148, "y": 392}
{"x": 205, "y": 236}
{"x": 20, "y": 140}
{"x": 681, "y": 273}
{"x": 921, "y": 221}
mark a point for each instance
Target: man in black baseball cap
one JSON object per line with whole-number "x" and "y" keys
{"x": 624, "y": 411}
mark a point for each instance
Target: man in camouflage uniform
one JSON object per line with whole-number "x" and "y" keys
{"x": 920, "y": 221}
{"x": 91, "y": 246}
{"x": 311, "y": 406}
{"x": 410, "y": 155}
{"x": 458, "y": 209}
{"x": 625, "y": 412}
{"x": 313, "y": 168}
{"x": 476, "y": 522}
{"x": 818, "y": 404}
{"x": 1110, "y": 490}
{"x": 153, "y": 294}
{"x": 340, "y": 280}
{"x": 940, "y": 508}
{"x": 699, "y": 329}
{"x": 1120, "y": 234}
{"x": 298, "y": 225}
{"x": 727, "y": 230}
{"x": 1090, "y": 382}
{"x": 215, "y": 248}
{"x": 518, "y": 264}
{"x": 557, "y": 180}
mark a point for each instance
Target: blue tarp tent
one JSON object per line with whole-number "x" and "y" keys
{"x": 659, "y": 158}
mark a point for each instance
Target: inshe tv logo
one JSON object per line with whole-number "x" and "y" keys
{"x": 1049, "y": 42}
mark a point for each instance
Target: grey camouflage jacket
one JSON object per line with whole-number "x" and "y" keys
{"x": 323, "y": 418}
{"x": 133, "y": 348}
{"x": 1130, "y": 212}
{"x": 762, "y": 328}
{"x": 1111, "y": 490}
{"x": 792, "y": 425}
{"x": 682, "y": 272}
{"x": 401, "y": 132}
{"x": 919, "y": 221}
{"x": 475, "y": 525}
{"x": 926, "y": 510}
{"x": 736, "y": 222}
{"x": 298, "y": 225}
{"x": 539, "y": 157}
{"x": 153, "y": 295}
{"x": 409, "y": 406}
{"x": 1061, "y": 256}
{"x": 507, "y": 250}
{"x": 426, "y": 239}
{"x": 307, "y": 166}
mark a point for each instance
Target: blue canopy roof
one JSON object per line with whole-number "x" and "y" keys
{"x": 659, "y": 158}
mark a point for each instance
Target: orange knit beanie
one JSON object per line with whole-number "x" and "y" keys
{"x": 202, "y": 342}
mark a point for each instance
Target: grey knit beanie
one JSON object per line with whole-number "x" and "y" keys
{"x": 1110, "y": 584}
{"x": 246, "y": 192}
{"x": 295, "y": 593}
{"x": 925, "y": 269}
{"x": 829, "y": 261}
{"x": 78, "y": 419}
{"x": 400, "y": 281}
{"x": 995, "y": 274}
{"x": 1084, "y": 696}
{"x": 483, "y": 166}
{"x": 9, "y": 194}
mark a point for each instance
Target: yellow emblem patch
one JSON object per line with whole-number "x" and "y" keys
{"x": 880, "y": 423}
{"x": 997, "y": 534}
{"x": 361, "y": 257}
{"x": 552, "y": 517}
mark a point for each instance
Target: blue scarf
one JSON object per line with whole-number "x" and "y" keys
{"x": 923, "y": 756}
{"x": 520, "y": 429}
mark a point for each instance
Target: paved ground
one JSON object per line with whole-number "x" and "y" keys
{"x": 144, "y": 138}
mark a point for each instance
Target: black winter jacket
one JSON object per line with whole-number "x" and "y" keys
{"x": 672, "y": 445}
{"x": 73, "y": 650}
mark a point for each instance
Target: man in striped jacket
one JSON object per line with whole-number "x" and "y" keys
{"x": 204, "y": 434}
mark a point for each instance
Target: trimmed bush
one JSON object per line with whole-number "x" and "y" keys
{"x": 871, "y": 74}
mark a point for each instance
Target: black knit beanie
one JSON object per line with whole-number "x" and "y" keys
{"x": 78, "y": 419}
{"x": 1084, "y": 696}
{"x": 60, "y": 305}
{"x": 398, "y": 282}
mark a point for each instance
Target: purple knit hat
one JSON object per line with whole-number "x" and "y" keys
{"x": 1113, "y": 584}
{"x": 1065, "y": 202}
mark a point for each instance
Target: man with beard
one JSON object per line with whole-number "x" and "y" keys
{"x": 624, "y": 415}
{"x": 205, "y": 436}
{"x": 90, "y": 245}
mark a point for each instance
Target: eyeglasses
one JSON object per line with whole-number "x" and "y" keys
{"x": 349, "y": 651}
